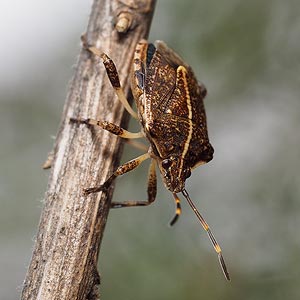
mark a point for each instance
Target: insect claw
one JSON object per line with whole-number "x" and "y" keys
{"x": 86, "y": 192}
{"x": 102, "y": 188}
{"x": 73, "y": 120}
{"x": 93, "y": 190}
{"x": 113, "y": 205}
{"x": 80, "y": 121}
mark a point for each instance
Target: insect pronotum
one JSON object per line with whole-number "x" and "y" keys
{"x": 170, "y": 109}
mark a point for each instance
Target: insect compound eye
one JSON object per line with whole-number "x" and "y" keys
{"x": 166, "y": 163}
{"x": 187, "y": 173}
{"x": 203, "y": 91}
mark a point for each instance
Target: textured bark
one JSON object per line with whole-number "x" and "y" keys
{"x": 64, "y": 261}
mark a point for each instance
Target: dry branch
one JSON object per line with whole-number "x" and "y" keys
{"x": 64, "y": 261}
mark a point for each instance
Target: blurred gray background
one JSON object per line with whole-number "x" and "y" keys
{"x": 248, "y": 55}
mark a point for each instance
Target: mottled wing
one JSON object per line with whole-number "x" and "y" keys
{"x": 186, "y": 102}
{"x": 186, "y": 90}
{"x": 160, "y": 79}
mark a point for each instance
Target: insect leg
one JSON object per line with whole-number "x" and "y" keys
{"x": 130, "y": 165}
{"x": 113, "y": 76}
{"x": 113, "y": 128}
{"x": 152, "y": 188}
{"x": 178, "y": 210}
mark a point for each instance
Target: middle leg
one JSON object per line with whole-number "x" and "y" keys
{"x": 111, "y": 127}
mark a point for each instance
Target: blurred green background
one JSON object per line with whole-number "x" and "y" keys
{"x": 248, "y": 55}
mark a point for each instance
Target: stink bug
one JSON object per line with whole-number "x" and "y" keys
{"x": 171, "y": 112}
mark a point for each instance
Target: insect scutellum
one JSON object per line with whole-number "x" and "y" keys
{"x": 170, "y": 109}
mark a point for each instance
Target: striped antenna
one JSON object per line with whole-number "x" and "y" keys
{"x": 178, "y": 210}
{"x": 210, "y": 234}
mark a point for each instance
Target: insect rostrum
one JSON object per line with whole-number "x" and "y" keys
{"x": 170, "y": 109}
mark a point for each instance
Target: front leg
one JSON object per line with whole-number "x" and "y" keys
{"x": 113, "y": 76}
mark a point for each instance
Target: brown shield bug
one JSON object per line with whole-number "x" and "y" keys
{"x": 169, "y": 100}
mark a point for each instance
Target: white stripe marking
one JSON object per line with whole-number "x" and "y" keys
{"x": 189, "y": 106}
